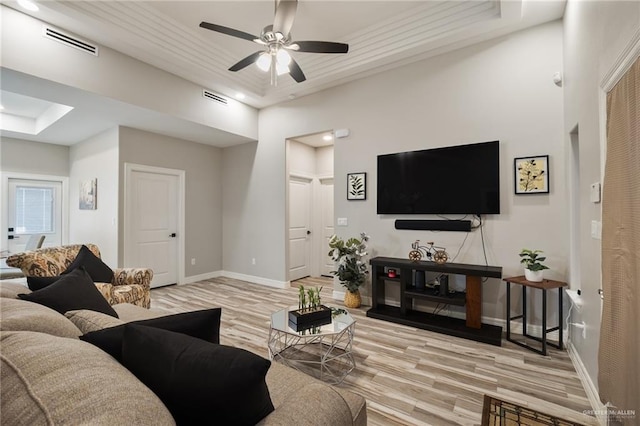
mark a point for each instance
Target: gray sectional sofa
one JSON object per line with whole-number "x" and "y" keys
{"x": 49, "y": 376}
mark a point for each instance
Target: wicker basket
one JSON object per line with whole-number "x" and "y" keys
{"x": 352, "y": 299}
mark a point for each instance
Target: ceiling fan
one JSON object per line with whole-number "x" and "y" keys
{"x": 277, "y": 41}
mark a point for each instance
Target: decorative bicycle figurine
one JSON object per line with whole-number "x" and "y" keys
{"x": 431, "y": 252}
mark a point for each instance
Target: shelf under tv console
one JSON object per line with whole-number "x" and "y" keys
{"x": 469, "y": 328}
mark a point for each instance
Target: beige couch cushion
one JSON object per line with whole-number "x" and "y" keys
{"x": 20, "y": 315}
{"x": 128, "y": 312}
{"x": 12, "y": 290}
{"x": 88, "y": 321}
{"x": 49, "y": 380}
{"x": 286, "y": 384}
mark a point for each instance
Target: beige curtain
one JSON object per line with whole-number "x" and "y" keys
{"x": 619, "y": 350}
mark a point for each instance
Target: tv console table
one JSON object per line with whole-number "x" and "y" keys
{"x": 469, "y": 328}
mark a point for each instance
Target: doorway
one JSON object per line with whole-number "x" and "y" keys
{"x": 154, "y": 224}
{"x": 309, "y": 205}
{"x": 35, "y": 204}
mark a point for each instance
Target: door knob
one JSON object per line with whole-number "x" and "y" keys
{"x": 308, "y": 232}
{"x": 172, "y": 235}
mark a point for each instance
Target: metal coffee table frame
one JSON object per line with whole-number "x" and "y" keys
{"x": 329, "y": 347}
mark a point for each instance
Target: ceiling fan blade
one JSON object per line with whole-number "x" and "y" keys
{"x": 228, "y": 31}
{"x": 246, "y": 61}
{"x": 285, "y": 15}
{"x": 319, "y": 47}
{"x": 296, "y": 72}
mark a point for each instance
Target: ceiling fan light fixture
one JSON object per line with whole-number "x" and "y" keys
{"x": 264, "y": 62}
{"x": 283, "y": 57}
{"x": 281, "y": 69}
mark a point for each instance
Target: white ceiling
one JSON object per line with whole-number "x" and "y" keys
{"x": 381, "y": 34}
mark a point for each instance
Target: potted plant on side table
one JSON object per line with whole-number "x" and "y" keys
{"x": 533, "y": 266}
{"x": 351, "y": 269}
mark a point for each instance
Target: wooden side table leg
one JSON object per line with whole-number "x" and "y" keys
{"x": 474, "y": 302}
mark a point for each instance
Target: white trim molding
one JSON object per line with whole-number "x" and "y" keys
{"x": 255, "y": 280}
{"x": 588, "y": 385}
{"x": 622, "y": 64}
{"x": 4, "y": 200}
{"x": 201, "y": 277}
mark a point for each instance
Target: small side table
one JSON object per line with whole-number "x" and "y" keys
{"x": 543, "y": 285}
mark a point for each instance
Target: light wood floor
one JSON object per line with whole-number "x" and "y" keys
{"x": 408, "y": 376}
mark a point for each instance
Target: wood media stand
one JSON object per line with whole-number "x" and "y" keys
{"x": 469, "y": 328}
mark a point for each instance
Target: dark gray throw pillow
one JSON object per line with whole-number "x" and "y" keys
{"x": 198, "y": 381}
{"x": 38, "y": 283}
{"x": 98, "y": 270}
{"x": 203, "y": 324}
{"x": 72, "y": 291}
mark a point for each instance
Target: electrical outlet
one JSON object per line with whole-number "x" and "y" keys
{"x": 343, "y": 221}
{"x": 581, "y": 325}
{"x": 193, "y": 260}
{"x": 575, "y": 299}
{"x": 253, "y": 260}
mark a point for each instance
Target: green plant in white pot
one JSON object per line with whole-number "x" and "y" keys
{"x": 533, "y": 266}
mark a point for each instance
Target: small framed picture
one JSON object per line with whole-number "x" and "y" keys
{"x": 356, "y": 186}
{"x": 88, "y": 196}
{"x": 531, "y": 175}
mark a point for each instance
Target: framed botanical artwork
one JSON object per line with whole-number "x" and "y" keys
{"x": 356, "y": 186}
{"x": 531, "y": 175}
{"x": 88, "y": 196}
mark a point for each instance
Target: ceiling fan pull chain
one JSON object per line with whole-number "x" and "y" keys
{"x": 274, "y": 72}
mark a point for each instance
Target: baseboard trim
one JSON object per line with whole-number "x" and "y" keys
{"x": 255, "y": 280}
{"x": 590, "y": 389}
{"x": 195, "y": 278}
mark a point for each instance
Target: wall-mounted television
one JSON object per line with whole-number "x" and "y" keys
{"x": 463, "y": 179}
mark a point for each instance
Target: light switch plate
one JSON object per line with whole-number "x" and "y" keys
{"x": 594, "y": 195}
{"x": 596, "y": 229}
{"x": 342, "y": 221}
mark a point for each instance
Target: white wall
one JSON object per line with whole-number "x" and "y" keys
{"x": 595, "y": 34}
{"x": 22, "y": 156}
{"x": 324, "y": 161}
{"x": 97, "y": 157}
{"x": 500, "y": 89}
{"x": 203, "y": 191}
{"x": 301, "y": 158}
{"x": 117, "y": 76}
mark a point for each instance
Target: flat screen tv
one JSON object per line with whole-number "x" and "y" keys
{"x": 463, "y": 179}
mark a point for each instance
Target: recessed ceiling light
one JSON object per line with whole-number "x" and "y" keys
{"x": 1, "y": 107}
{"x": 327, "y": 138}
{"x": 29, "y": 5}
{"x": 240, "y": 95}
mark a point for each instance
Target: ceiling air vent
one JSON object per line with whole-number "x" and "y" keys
{"x": 214, "y": 97}
{"x": 61, "y": 37}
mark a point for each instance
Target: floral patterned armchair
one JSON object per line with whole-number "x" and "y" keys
{"x": 129, "y": 285}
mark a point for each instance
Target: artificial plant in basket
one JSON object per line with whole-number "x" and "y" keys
{"x": 351, "y": 270}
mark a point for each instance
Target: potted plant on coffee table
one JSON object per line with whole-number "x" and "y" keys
{"x": 351, "y": 269}
{"x": 533, "y": 266}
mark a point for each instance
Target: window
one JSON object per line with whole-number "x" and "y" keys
{"x": 34, "y": 210}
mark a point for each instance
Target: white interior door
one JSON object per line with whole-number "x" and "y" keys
{"x": 326, "y": 207}
{"x": 299, "y": 227}
{"x": 34, "y": 207}
{"x": 152, "y": 211}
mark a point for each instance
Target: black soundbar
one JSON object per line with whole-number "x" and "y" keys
{"x": 435, "y": 225}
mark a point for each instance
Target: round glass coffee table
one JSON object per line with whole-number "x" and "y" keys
{"x": 325, "y": 351}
